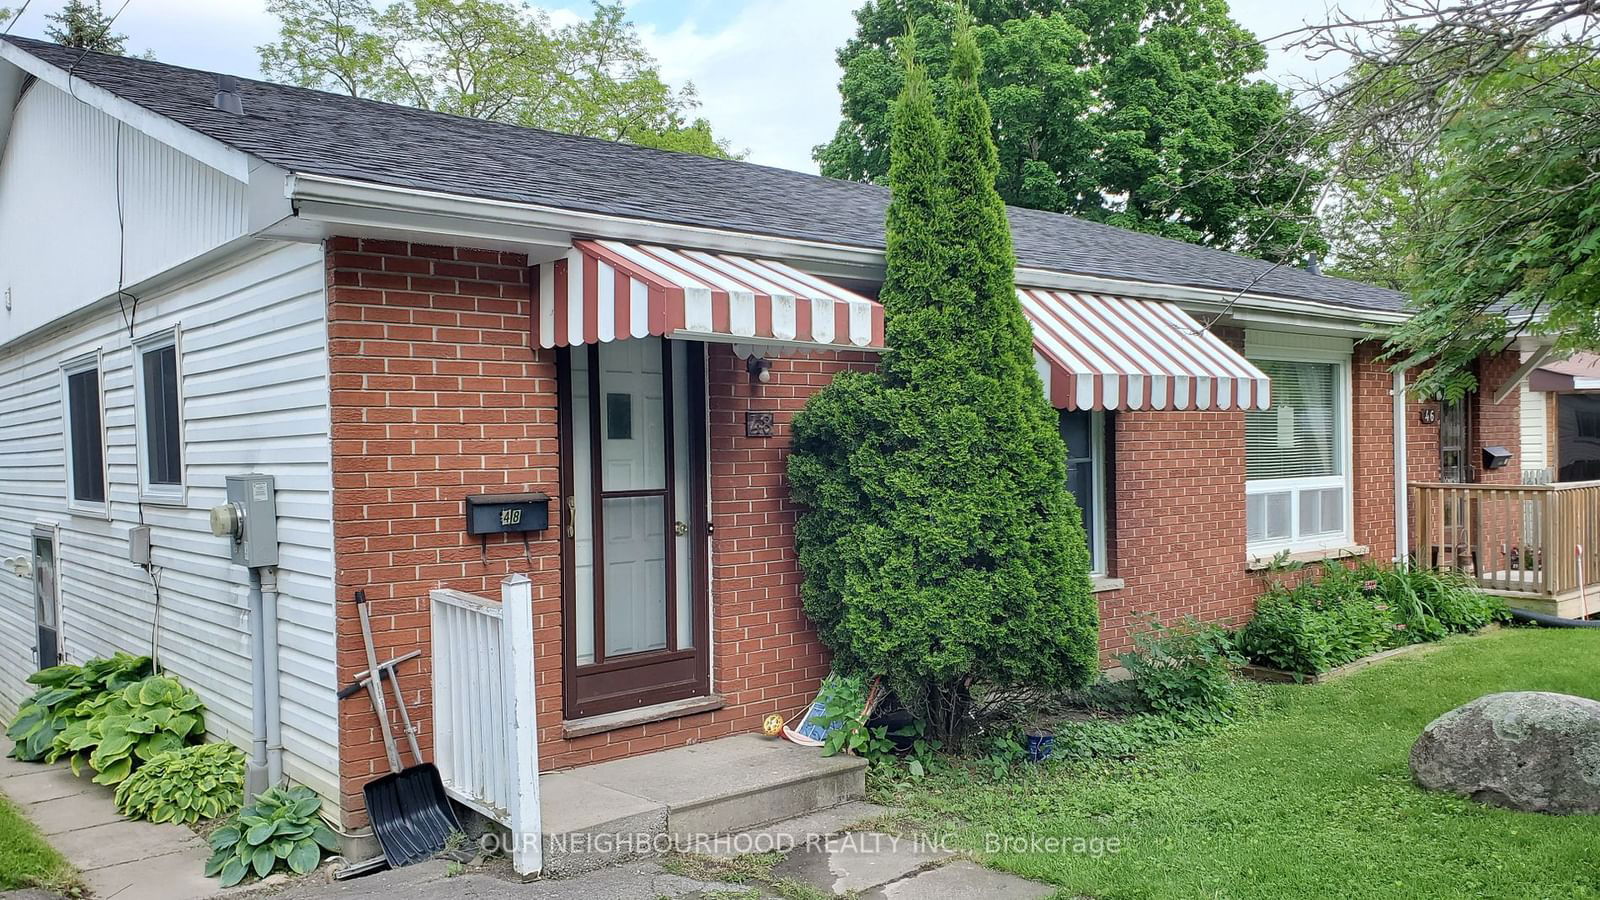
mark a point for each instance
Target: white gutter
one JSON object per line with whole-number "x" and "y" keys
{"x": 346, "y": 201}
{"x": 1402, "y": 496}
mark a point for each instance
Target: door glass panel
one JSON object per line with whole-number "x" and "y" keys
{"x": 583, "y": 507}
{"x": 633, "y": 442}
{"x": 635, "y": 574}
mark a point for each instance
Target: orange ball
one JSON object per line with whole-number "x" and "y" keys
{"x": 772, "y": 725}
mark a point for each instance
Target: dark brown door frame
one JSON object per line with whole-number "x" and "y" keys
{"x": 657, "y": 676}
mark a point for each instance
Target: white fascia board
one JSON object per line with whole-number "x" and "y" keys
{"x": 233, "y": 163}
{"x": 330, "y": 199}
{"x": 11, "y": 79}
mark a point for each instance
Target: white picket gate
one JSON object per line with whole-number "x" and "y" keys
{"x": 485, "y": 734}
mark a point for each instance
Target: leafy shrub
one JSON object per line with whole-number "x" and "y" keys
{"x": 112, "y": 732}
{"x": 1351, "y": 612}
{"x": 280, "y": 826}
{"x": 1186, "y": 671}
{"x": 199, "y": 782}
{"x": 53, "y": 707}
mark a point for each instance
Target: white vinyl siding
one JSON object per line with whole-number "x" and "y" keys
{"x": 1297, "y": 453}
{"x": 1535, "y": 432}
{"x": 255, "y": 395}
{"x": 59, "y": 183}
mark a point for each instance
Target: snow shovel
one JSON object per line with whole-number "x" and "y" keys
{"x": 409, "y": 810}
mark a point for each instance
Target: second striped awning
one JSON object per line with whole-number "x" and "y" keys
{"x": 609, "y": 290}
{"x": 1099, "y": 351}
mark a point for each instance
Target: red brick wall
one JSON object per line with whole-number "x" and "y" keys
{"x": 1372, "y": 451}
{"x": 436, "y": 395}
{"x": 1178, "y": 540}
{"x": 1497, "y": 424}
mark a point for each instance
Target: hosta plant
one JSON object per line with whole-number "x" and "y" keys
{"x": 204, "y": 781}
{"x": 281, "y": 826}
{"x": 61, "y": 689}
{"x": 114, "y": 732}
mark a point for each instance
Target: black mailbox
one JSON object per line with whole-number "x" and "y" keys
{"x": 1496, "y": 457}
{"x": 507, "y": 513}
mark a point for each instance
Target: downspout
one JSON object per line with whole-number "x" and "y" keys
{"x": 1402, "y": 513}
{"x": 269, "y": 641}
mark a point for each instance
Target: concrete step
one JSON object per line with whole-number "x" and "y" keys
{"x": 601, "y": 814}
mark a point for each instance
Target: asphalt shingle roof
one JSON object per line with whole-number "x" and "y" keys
{"x": 319, "y": 133}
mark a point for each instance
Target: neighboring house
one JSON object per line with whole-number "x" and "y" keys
{"x": 1561, "y": 411}
{"x": 388, "y": 310}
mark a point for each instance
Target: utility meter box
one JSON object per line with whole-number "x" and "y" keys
{"x": 255, "y": 529}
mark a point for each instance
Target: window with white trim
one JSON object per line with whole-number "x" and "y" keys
{"x": 1085, "y": 435}
{"x": 1297, "y": 455}
{"x": 84, "y": 413}
{"x": 159, "y": 416}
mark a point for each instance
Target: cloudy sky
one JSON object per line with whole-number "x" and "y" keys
{"x": 765, "y": 69}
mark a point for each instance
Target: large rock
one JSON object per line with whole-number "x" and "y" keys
{"x": 1527, "y": 750}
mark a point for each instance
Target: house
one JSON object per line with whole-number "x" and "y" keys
{"x": 389, "y": 311}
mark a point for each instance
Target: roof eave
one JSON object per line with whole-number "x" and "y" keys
{"x": 330, "y": 203}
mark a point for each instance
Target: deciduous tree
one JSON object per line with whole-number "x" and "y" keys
{"x": 1141, "y": 113}
{"x": 491, "y": 59}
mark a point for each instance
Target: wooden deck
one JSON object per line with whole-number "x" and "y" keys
{"x": 1529, "y": 543}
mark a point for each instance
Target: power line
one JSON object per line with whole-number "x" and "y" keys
{"x": 20, "y": 10}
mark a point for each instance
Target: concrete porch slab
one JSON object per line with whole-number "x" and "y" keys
{"x": 600, "y": 814}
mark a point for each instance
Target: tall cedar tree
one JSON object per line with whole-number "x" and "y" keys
{"x": 940, "y": 545}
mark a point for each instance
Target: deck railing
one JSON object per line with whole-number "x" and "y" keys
{"x": 1533, "y": 539}
{"x": 484, "y": 711}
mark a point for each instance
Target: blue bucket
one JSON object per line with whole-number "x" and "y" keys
{"x": 1040, "y": 746}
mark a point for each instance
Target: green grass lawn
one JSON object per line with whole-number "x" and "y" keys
{"x": 26, "y": 859}
{"x": 1308, "y": 797}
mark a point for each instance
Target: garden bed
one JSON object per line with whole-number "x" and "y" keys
{"x": 1270, "y": 675}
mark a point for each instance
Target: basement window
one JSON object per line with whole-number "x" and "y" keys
{"x": 157, "y": 388}
{"x": 84, "y": 411}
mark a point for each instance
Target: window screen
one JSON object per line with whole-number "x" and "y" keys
{"x": 163, "y": 444}
{"x": 84, "y": 438}
{"x": 1298, "y": 436}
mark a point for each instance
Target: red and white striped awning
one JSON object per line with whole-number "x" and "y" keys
{"x": 1098, "y": 351}
{"x": 609, "y": 290}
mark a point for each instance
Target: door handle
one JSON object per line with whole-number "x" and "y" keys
{"x": 572, "y": 513}
{"x": 680, "y": 528}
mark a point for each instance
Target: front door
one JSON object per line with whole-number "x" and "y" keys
{"x": 633, "y": 476}
{"x": 1455, "y": 468}
{"x": 46, "y": 599}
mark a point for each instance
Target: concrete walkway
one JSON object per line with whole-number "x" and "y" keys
{"x": 117, "y": 857}
{"x": 827, "y": 862}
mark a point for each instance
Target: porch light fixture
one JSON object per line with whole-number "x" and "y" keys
{"x": 1496, "y": 457}
{"x": 759, "y": 368}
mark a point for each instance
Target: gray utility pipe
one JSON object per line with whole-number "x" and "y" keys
{"x": 269, "y": 644}
{"x": 264, "y": 769}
